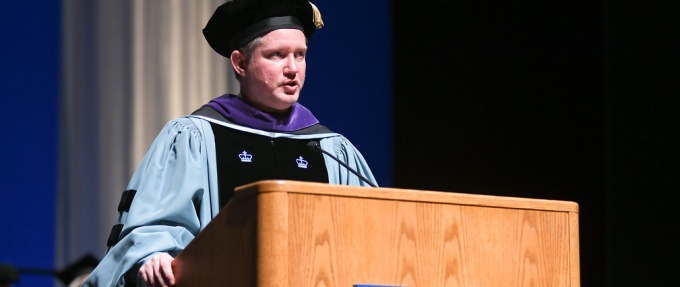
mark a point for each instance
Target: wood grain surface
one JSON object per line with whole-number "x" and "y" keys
{"x": 283, "y": 233}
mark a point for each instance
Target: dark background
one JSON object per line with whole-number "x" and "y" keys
{"x": 566, "y": 100}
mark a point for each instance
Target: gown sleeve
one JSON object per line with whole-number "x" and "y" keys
{"x": 172, "y": 204}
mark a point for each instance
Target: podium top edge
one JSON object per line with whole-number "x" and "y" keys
{"x": 398, "y": 194}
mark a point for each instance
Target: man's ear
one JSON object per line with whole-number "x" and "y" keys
{"x": 238, "y": 62}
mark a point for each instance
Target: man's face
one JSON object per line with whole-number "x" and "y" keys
{"x": 273, "y": 77}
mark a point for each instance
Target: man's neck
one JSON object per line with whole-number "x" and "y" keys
{"x": 272, "y": 111}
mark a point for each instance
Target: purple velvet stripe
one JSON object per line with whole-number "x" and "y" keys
{"x": 236, "y": 110}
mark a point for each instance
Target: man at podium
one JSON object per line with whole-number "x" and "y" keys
{"x": 193, "y": 166}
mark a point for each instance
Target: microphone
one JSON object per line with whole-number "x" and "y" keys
{"x": 314, "y": 146}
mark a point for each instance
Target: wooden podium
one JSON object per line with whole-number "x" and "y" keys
{"x": 298, "y": 234}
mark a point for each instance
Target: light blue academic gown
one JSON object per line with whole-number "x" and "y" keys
{"x": 177, "y": 194}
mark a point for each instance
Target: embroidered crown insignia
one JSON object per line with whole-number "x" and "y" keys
{"x": 245, "y": 156}
{"x": 301, "y": 163}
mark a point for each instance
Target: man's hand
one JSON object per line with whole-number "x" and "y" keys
{"x": 157, "y": 272}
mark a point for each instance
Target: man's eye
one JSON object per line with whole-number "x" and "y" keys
{"x": 300, "y": 55}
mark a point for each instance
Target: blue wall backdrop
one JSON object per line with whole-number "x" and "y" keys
{"x": 29, "y": 83}
{"x": 348, "y": 87}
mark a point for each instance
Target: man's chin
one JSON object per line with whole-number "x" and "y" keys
{"x": 289, "y": 98}
{"x": 282, "y": 103}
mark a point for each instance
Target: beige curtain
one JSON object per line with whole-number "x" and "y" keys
{"x": 128, "y": 66}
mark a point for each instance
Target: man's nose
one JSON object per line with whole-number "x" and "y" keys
{"x": 291, "y": 65}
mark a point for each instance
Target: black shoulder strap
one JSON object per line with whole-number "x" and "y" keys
{"x": 114, "y": 235}
{"x": 123, "y": 206}
{"x": 126, "y": 200}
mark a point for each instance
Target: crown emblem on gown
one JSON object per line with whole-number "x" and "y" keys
{"x": 301, "y": 163}
{"x": 245, "y": 156}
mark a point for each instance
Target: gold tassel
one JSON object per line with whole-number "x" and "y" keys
{"x": 318, "y": 22}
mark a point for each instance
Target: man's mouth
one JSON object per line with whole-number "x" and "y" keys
{"x": 290, "y": 87}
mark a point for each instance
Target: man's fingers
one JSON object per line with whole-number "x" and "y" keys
{"x": 143, "y": 275}
{"x": 166, "y": 272}
{"x": 148, "y": 273}
{"x": 158, "y": 280}
{"x": 158, "y": 271}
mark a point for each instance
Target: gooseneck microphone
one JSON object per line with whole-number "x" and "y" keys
{"x": 314, "y": 146}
